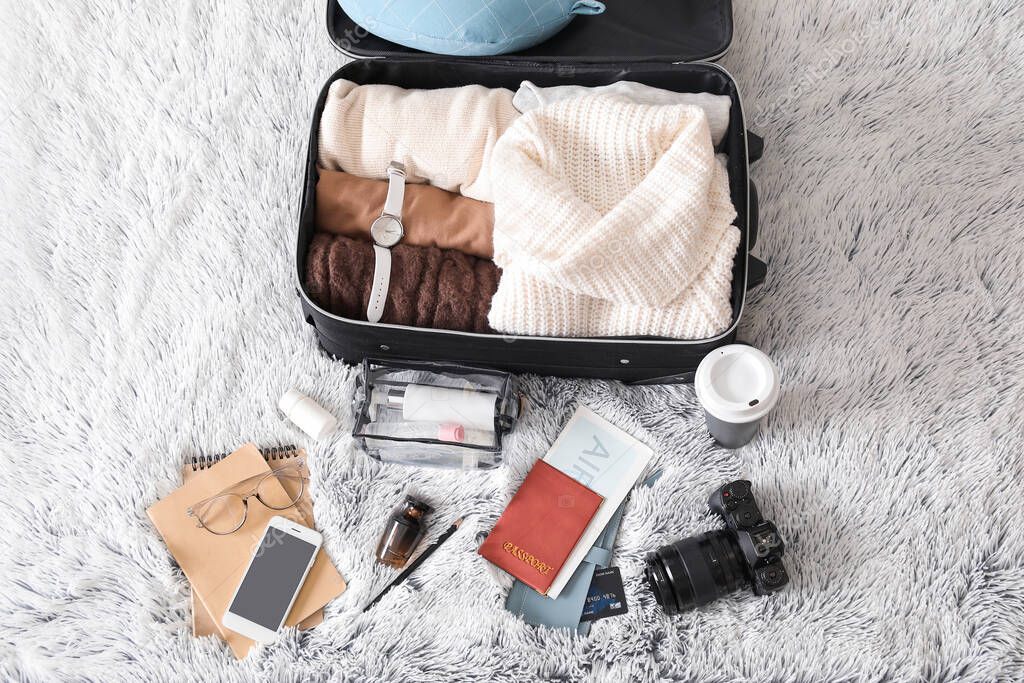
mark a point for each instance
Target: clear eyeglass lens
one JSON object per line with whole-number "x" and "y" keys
{"x": 222, "y": 514}
{"x": 283, "y": 489}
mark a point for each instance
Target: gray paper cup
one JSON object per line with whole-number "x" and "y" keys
{"x": 737, "y": 385}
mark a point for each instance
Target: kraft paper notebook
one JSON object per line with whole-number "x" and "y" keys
{"x": 214, "y": 564}
{"x": 203, "y": 623}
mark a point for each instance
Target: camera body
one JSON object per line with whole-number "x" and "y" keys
{"x": 758, "y": 538}
{"x": 698, "y": 570}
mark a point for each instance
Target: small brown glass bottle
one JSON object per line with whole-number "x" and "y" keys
{"x": 403, "y": 533}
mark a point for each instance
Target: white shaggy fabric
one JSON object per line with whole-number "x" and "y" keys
{"x": 443, "y": 136}
{"x": 531, "y": 96}
{"x": 612, "y": 218}
{"x": 149, "y": 177}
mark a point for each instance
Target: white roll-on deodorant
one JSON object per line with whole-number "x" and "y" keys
{"x": 307, "y": 414}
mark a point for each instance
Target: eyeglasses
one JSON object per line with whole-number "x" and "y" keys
{"x": 226, "y": 512}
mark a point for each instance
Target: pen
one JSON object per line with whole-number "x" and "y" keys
{"x": 417, "y": 562}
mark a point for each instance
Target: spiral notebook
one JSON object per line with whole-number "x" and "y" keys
{"x": 203, "y": 623}
{"x": 213, "y": 564}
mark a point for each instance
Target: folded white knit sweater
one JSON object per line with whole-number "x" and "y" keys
{"x": 444, "y": 136}
{"x": 531, "y": 96}
{"x": 612, "y": 218}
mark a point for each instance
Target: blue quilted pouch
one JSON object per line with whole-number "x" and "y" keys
{"x": 470, "y": 28}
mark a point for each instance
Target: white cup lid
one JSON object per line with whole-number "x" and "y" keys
{"x": 737, "y": 383}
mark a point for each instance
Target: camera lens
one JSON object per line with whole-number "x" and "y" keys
{"x": 695, "y": 571}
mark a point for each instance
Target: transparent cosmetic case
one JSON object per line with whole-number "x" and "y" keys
{"x": 434, "y": 414}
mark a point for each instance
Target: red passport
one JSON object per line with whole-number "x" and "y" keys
{"x": 540, "y": 526}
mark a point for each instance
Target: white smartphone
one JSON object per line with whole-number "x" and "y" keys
{"x": 272, "y": 580}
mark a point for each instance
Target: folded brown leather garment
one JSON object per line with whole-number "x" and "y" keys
{"x": 434, "y": 288}
{"x": 347, "y": 204}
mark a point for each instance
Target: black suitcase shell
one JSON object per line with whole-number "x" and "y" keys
{"x": 652, "y": 42}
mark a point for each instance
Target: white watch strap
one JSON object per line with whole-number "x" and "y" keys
{"x": 396, "y": 192}
{"x": 381, "y": 283}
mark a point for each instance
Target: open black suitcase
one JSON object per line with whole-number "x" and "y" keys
{"x": 662, "y": 43}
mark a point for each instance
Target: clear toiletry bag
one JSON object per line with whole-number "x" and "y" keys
{"x": 434, "y": 414}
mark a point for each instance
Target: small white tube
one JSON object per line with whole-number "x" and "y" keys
{"x": 307, "y": 414}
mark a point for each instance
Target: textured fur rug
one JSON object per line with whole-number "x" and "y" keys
{"x": 150, "y": 165}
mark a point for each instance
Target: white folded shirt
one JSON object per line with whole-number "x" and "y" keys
{"x": 716, "y": 107}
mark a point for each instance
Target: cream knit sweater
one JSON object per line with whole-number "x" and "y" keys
{"x": 444, "y": 136}
{"x": 612, "y": 218}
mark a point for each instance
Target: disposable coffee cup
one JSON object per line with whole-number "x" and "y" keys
{"x": 737, "y": 385}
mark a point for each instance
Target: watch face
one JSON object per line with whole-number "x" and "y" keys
{"x": 387, "y": 231}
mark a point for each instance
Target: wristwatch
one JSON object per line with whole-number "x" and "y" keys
{"x": 386, "y": 231}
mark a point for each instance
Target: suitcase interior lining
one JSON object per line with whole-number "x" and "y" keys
{"x": 418, "y": 73}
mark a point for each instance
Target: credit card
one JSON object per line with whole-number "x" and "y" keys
{"x": 606, "y": 597}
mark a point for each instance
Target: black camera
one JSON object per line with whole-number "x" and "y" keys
{"x": 700, "y": 569}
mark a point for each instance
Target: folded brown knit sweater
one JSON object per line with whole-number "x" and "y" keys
{"x": 433, "y": 288}
{"x": 347, "y": 204}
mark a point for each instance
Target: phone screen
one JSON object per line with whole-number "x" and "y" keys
{"x": 274, "y": 575}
